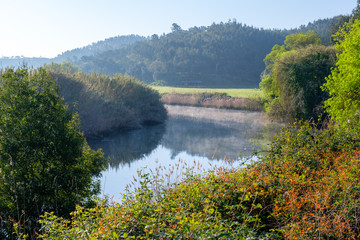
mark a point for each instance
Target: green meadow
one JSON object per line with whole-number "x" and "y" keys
{"x": 232, "y": 92}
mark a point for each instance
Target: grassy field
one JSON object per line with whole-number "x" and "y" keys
{"x": 232, "y": 92}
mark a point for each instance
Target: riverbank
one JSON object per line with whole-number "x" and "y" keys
{"x": 214, "y": 100}
{"x": 229, "y": 98}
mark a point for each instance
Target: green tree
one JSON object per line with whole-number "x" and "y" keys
{"x": 293, "y": 75}
{"x": 45, "y": 162}
{"x": 301, "y": 40}
{"x": 298, "y": 77}
{"x": 291, "y": 43}
{"x": 343, "y": 84}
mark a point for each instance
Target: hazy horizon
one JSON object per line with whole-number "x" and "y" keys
{"x": 43, "y": 28}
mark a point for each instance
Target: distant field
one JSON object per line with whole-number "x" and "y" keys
{"x": 232, "y": 92}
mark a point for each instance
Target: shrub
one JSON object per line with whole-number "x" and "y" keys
{"x": 108, "y": 103}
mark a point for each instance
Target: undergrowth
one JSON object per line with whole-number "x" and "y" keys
{"x": 306, "y": 187}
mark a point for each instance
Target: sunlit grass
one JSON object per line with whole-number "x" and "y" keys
{"x": 232, "y": 92}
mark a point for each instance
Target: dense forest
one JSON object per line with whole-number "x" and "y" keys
{"x": 221, "y": 55}
{"x": 226, "y": 54}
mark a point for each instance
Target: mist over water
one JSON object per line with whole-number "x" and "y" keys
{"x": 203, "y": 135}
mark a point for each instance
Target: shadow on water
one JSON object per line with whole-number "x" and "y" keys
{"x": 124, "y": 147}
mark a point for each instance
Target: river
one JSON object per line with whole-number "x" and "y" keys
{"x": 204, "y": 136}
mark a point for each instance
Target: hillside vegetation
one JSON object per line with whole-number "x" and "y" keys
{"x": 221, "y": 55}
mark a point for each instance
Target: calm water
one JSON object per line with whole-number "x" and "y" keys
{"x": 190, "y": 134}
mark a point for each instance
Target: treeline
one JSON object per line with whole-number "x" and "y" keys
{"x": 226, "y": 54}
{"x": 108, "y": 44}
{"x": 221, "y": 55}
{"x": 73, "y": 55}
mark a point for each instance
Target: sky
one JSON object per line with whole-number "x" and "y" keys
{"x": 46, "y": 28}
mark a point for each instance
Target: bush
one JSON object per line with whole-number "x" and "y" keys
{"x": 108, "y": 103}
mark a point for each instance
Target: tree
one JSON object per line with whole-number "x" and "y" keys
{"x": 343, "y": 84}
{"x": 298, "y": 77}
{"x": 301, "y": 40}
{"x": 293, "y": 75}
{"x": 45, "y": 162}
{"x": 291, "y": 43}
{"x": 175, "y": 27}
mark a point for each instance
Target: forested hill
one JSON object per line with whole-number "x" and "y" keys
{"x": 112, "y": 43}
{"x": 74, "y": 55}
{"x": 221, "y": 55}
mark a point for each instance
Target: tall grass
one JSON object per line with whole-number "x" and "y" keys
{"x": 213, "y": 100}
{"x": 232, "y": 92}
{"x": 107, "y": 103}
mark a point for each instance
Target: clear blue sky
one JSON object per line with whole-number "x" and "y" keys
{"x": 49, "y": 27}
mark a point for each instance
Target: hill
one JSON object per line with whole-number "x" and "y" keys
{"x": 225, "y": 55}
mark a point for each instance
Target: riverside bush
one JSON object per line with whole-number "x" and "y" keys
{"x": 107, "y": 103}
{"x": 306, "y": 187}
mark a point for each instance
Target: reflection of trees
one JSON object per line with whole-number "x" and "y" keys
{"x": 126, "y": 146}
{"x": 215, "y": 140}
{"x": 208, "y": 138}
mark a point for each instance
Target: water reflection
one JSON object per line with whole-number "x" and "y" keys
{"x": 211, "y": 139}
{"x": 124, "y": 147}
{"x": 190, "y": 134}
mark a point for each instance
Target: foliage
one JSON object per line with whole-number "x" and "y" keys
{"x": 309, "y": 180}
{"x": 221, "y": 55}
{"x": 199, "y": 207}
{"x": 293, "y": 76}
{"x": 343, "y": 84}
{"x": 306, "y": 187}
{"x": 301, "y": 40}
{"x": 45, "y": 162}
{"x": 108, "y": 103}
{"x": 298, "y": 77}
{"x": 336, "y": 26}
